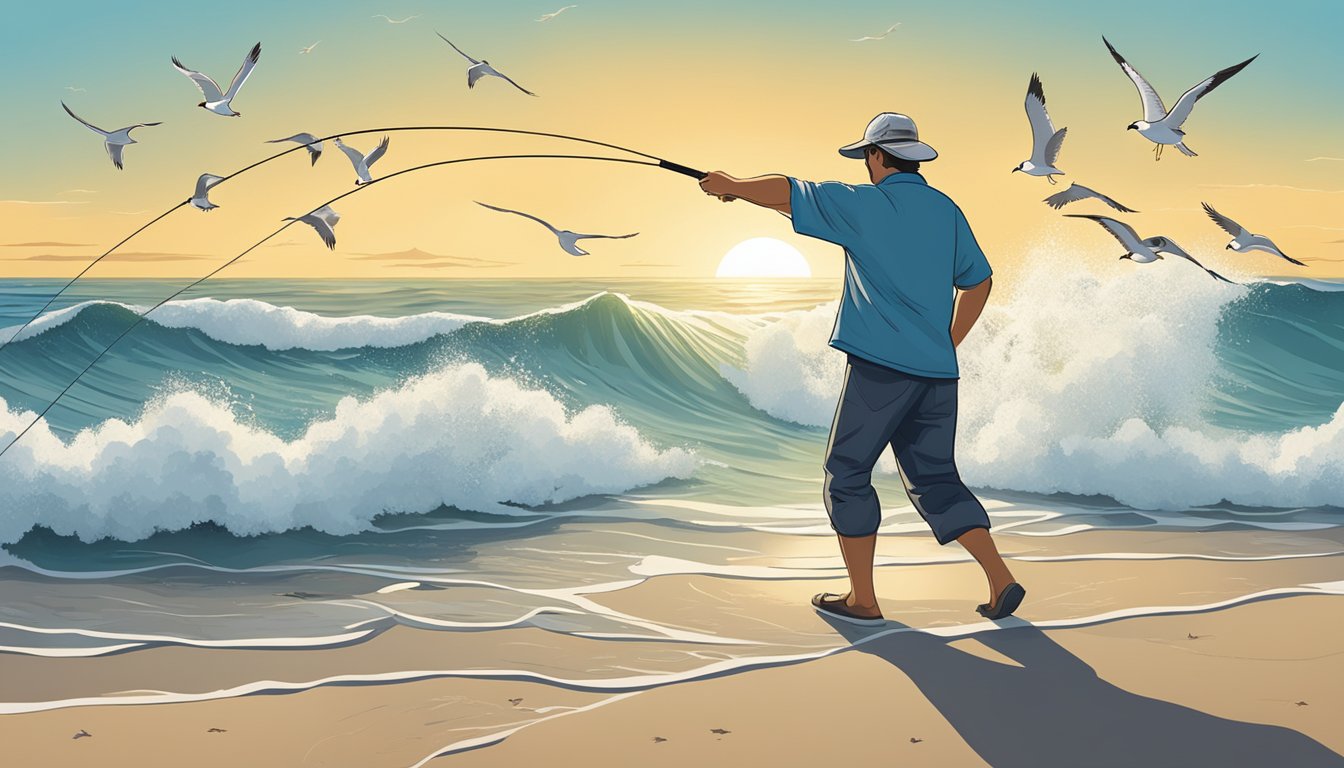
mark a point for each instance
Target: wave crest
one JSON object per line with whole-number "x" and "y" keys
{"x": 456, "y": 437}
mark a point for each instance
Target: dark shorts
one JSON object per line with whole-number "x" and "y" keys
{"x": 917, "y": 417}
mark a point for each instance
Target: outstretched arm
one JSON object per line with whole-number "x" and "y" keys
{"x": 766, "y": 191}
{"x": 970, "y": 302}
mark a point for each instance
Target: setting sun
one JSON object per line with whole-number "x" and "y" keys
{"x": 763, "y": 257}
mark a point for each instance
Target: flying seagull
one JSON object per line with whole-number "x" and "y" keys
{"x": 568, "y": 240}
{"x": 890, "y": 29}
{"x": 309, "y": 49}
{"x": 217, "y": 101}
{"x": 549, "y": 16}
{"x": 1158, "y": 125}
{"x": 391, "y": 20}
{"x": 201, "y": 198}
{"x": 481, "y": 68}
{"x": 1077, "y": 192}
{"x": 1144, "y": 251}
{"x": 309, "y": 142}
{"x": 83, "y": 734}
{"x": 113, "y": 141}
{"x": 324, "y": 221}
{"x": 73, "y": 89}
{"x": 1245, "y": 240}
{"x": 1045, "y": 140}
{"x": 363, "y": 162}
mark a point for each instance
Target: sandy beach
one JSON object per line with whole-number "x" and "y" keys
{"x": 1207, "y": 658}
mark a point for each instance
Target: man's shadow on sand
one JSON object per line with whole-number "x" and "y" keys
{"x": 1055, "y": 711}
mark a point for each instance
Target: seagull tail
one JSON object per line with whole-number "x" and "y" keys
{"x": 1188, "y": 152}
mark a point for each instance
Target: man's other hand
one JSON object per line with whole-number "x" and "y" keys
{"x": 718, "y": 184}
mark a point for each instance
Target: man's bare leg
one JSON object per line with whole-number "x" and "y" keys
{"x": 858, "y": 553}
{"x": 978, "y": 542}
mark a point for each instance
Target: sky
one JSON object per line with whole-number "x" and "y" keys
{"x": 747, "y": 87}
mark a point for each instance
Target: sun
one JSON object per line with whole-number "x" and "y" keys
{"x": 763, "y": 257}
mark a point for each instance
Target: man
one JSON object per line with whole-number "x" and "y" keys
{"x": 915, "y": 283}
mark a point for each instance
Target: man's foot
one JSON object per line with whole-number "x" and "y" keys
{"x": 838, "y": 607}
{"x": 1003, "y": 604}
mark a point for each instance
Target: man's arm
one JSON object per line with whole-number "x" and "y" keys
{"x": 766, "y": 191}
{"x": 970, "y": 302}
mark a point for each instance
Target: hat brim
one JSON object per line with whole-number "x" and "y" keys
{"x": 906, "y": 150}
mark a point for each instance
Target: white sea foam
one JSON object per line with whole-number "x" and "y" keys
{"x": 456, "y": 437}
{"x": 252, "y": 322}
{"x": 1084, "y": 379}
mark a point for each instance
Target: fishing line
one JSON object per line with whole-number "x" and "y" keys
{"x": 671, "y": 166}
{"x": 286, "y": 225}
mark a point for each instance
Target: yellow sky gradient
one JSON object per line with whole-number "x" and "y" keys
{"x": 739, "y": 107}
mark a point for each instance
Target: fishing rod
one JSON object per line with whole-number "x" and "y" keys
{"x": 141, "y": 318}
{"x": 667, "y": 164}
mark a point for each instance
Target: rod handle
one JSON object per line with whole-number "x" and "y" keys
{"x": 683, "y": 170}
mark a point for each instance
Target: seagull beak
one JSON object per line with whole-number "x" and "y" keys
{"x": 1015, "y": 170}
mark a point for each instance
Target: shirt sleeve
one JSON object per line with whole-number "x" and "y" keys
{"x": 825, "y": 210}
{"x": 971, "y": 267}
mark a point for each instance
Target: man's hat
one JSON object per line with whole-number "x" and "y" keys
{"x": 896, "y": 134}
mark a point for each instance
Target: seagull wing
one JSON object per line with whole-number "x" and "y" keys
{"x": 355, "y": 155}
{"x": 209, "y": 88}
{"x": 114, "y": 152}
{"x": 302, "y": 138}
{"x": 1042, "y": 129}
{"x": 86, "y": 123}
{"x": 1174, "y": 249}
{"x": 542, "y": 222}
{"x": 206, "y": 181}
{"x": 327, "y": 214}
{"x": 249, "y": 62}
{"x": 1229, "y": 226}
{"x": 1186, "y": 103}
{"x": 1073, "y": 194}
{"x": 1055, "y": 144}
{"x": 1111, "y": 202}
{"x": 1121, "y": 231}
{"x": 377, "y": 152}
{"x": 515, "y": 85}
{"x": 1153, "y": 108}
{"x": 459, "y": 50}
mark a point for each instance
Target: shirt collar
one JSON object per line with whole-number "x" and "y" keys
{"x": 903, "y": 178}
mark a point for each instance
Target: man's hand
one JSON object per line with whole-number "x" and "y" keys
{"x": 719, "y": 184}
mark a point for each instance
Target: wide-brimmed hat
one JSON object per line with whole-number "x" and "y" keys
{"x": 896, "y": 134}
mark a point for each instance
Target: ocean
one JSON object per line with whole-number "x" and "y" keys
{"x": 304, "y": 463}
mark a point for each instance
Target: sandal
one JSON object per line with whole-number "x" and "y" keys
{"x": 833, "y": 606}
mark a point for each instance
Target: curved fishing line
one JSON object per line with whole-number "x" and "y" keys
{"x": 473, "y": 128}
{"x": 141, "y": 318}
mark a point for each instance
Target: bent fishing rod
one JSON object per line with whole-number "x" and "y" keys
{"x": 667, "y": 164}
{"x": 141, "y": 317}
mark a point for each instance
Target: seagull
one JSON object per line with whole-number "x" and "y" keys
{"x": 1163, "y": 127}
{"x": 391, "y": 20}
{"x": 1045, "y": 140}
{"x": 658, "y": 739}
{"x": 362, "y": 162}
{"x": 82, "y": 734}
{"x": 73, "y": 89}
{"x": 914, "y": 740}
{"x": 1144, "y": 251}
{"x": 1077, "y": 192}
{"x": 1245, "y": 240}
{"x": 481, "y": 68}
{"x": 113, "y": 141}
{"x": 309, "y": 142}
{"x": 310, "y": 48}
{"x": 549, "y": 16}
{"x": 719, "y": 731}
{"x": 203, "y": 185}
{"x": 890, "y": 29}
{"x": 515, "y": 702}
{"x": 324, "y": 221}
{"x": 568, "y": 240}
{"x": 217, "y": 101}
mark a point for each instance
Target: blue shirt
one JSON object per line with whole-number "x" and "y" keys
{"x": 906, "y": 246}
